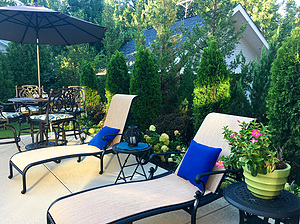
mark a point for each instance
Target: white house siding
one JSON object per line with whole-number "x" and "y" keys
{"x": 248, "y": 53}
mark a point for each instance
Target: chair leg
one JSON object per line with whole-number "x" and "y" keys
{"x": 10, "y": 171}
{"x": 17, "y": 139}
{"x": 24, "y": 183}
{"x": 198, "y": 195}
{"x": 101, "y": 164}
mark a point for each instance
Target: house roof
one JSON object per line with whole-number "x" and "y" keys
{"x": 251, "y": 35}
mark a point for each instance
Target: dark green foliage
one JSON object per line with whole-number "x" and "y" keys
{"x": 117, "y": 77}
{"x": 261, "y": 83}
{"x": 186, "y": 88}
{"x": 239, "y": 103}
{"x": 6, "y": 80}
{"x": 283, "y": 101}
{"x": 217, "y": 22}
{"x": 212, "y": 87}
{"x": 145, "y": 83}
{"x": 289, "y": 21}
{"x": 240, "y": 85}
{"x": 166, "y": 48}
{"x": 88, "y": 76}
{"x": 23, "y": 64}
{"x": 175, "y": 121}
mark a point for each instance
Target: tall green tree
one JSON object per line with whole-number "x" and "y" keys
{"x": 261, "y": 82}
{"x": 117, "y": 77}
{"x": 289, "y": 21}
{"x": 212, "y": 86}
{"x": 166, "y": 49}
{"x": 145, "y": 83}
{"x": 240, "y": 85}
{"x": 283, "y": 101}
{"x": 186, "y": 88}
{"x": 88, "y": 76}
{"x": 217, "y": 22}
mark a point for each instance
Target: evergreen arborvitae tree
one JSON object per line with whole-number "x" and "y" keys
{"x": 212, "y": 87}
{"x": 145, "y": 83}
{"x": 240, "y": 83}
{"x": 239, "y": 104}
{"x": 283, "y": 102}
{"x": 261, "y": 83}
{"x": 117, "y": 77}
{"x": 186, "y": 88}
{"x": 87, "y": 76}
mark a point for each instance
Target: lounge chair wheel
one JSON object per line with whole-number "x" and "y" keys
{"x": 57, "y": 161}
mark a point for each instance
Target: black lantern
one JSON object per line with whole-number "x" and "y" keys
{"x": 133, "y": 136}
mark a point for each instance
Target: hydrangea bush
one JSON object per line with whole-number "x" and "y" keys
{"x": 162, "y": 143}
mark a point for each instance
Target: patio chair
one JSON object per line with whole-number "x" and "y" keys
{"x": 128, "y": 202}
{"x": 116, "y": 118}
{"x": 25, "y": 91}
{"x": 5, "y": 119}
{"x": 59, "y": 108}
{"x": 79, "y": 107}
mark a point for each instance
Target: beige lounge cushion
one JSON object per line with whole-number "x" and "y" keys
{"x": 111, "y": 203}
{"x": 21, "y": 160}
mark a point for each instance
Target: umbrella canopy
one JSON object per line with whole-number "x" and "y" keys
{"x": 39, "y": 25}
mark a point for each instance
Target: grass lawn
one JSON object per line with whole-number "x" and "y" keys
{"x": 9, "y": 133}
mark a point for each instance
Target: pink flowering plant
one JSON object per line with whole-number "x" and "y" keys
{"x": 250, "y": 147}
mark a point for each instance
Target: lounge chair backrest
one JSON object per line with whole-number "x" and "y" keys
{"x": 210, "y": 133}
{"x": 117, "y": 113}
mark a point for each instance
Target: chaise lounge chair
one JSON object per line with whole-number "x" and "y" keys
{"x": 115, "y": 119}
{"x": 125, "y": 203}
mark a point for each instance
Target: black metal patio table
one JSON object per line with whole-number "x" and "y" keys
{"x": 25, "y": 101}
{"x": 283, "y": 208}
{"x": 141, "y": 153}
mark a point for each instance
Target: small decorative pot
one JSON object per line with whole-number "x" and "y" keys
{"x": 267, "y": 186}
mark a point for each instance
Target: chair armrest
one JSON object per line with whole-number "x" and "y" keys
{"x": 152, "y": 170}
{"x": 199, "y": 176}
{"x": 104, "y": 138}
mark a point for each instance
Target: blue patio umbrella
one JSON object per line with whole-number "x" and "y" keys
{"x": 35, "y": 24}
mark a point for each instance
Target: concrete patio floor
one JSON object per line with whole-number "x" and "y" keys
{"x": 46, "y": 183}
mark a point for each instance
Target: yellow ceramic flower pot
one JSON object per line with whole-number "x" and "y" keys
{"x": 267, "y": 186}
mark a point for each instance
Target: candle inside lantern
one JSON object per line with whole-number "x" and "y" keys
{"x": 132, "y": 140}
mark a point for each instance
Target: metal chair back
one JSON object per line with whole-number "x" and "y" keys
{"x": 27, "y": 91}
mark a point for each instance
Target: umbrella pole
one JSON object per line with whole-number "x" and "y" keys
{"x": 38, "y": 65}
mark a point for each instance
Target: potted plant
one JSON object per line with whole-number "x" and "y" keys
{"x": 251, "y": 149}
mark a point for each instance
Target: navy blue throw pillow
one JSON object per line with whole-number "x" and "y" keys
{"x": 198, "y": 159}
{"x": 97, "y": 139}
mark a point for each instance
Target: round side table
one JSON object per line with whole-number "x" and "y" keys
{"x": 283, "y": 208}
{"x": 141, "y": 151}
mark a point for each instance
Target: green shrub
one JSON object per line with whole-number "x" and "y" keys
{"x": 261, "y": 83}
{"x": 145, "y": 83}
{"x": 117, "y": 77}
{"x": 176, "y": 121}
{"x": 88, "y": 76}
{"x": 283, "y": 102}
{"x": 212, "y": 87}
